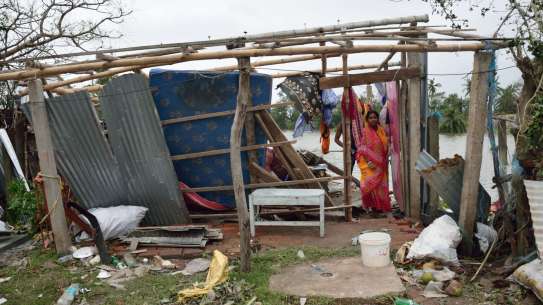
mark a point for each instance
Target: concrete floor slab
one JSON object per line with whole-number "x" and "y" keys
{"x": 337, "y": 278}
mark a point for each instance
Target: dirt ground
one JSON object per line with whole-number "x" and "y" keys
{"x": 338, "y": 234}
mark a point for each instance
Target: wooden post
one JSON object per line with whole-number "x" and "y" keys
{"x": 323, "y": 60}
{"x": 244, "y": 95}
{"x": 250, "y": 135}
{"x": 347, "y": 188}
{"x": 474, "y": 148}
{"x": 48, "y": 167}
{"x": 414, "y": 121}
{"x": 433, "y": 150}
{"x": 404, "y": 144}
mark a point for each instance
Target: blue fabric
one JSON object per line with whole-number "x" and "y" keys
{"x": 187, "y": 93}
{"x": 492, "y": 91}
{"x": 329, "y": 102}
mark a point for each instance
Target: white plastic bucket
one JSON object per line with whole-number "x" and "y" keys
{"x": 375, "y": 249}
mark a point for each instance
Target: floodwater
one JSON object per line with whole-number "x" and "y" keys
{"x": 448, "y": 147}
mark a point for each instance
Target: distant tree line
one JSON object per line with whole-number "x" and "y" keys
{"x": 452, "y": 108}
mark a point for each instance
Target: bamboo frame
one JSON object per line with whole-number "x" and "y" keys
{"x": 143, "y": 62}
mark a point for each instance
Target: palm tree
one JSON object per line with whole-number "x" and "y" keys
{"x": 506, "y": 102}
{"x": 435, "y": 97}
{"x": 453, "y": 110}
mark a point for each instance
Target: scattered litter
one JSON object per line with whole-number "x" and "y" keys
{"x": 4, "y": 227}
{"x": 427, "y": 277}
{"x": 84, "y": 276}
{"x": 443, "y": 275}
{"x": 196, "y": 265}
{"x": 434, "y": 290}
{"x": 401, "y": 301}
{"x": 65, "y": 258}
{"x": 455, "y": 288}
{"x": 118, "y": 263}
{"x": 303, "y": 301}
{"x": 439, "y": 240}
{"x": 301, "y": 254}
{"x": 163, "y": 263}
{"x": 317, "y": 268}
{"x": 3, "y": 300}
{"x": 84, "y": 252}
{"x": 195, "y": 236}
{"x": 5, "y": 279}
{"x": 40, "y": 295}
{"x": 117, "y": 221}
{"x": 401, "y": 254}
{"x": 84, "y": 290}
{"x": 530, "y": 276}
{"x": 103, "y": 274}
{"x": 145, "y": 260}
{"x": 217, "y": 274}
{"x": 141, "y": 271}
{"x": 486, "y": 236}
{"x": 95, "y": 260}
{"x": 69, "y": 295}
{"x": 129, "y": 260}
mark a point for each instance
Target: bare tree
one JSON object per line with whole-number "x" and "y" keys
{"x": 38, "y": 28}
{"x": 32, "y": 28}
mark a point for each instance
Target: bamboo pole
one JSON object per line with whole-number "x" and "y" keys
{"x": 216, "y": 152}
{"x": 368, "y": 78}
{"x": 177, "y": 58}
{"x": 48, "y": 168}
{"x": 84, "y": 78}
{"x": 255, "y": 37}
{"x": 221, "y": 113}
{"x": 347, "y": 187}
{"x": 334, "y": 69}
{"x": 269, "y": 62}
{"x": 223, "y": 188}
{"x": 244, "y": 95}
{"x": 474, "y": 149}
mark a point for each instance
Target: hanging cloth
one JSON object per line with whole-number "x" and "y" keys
{"x": 325, "y": 137}
{"x": 304, "y": 92}
{"x": 356, "y": 112}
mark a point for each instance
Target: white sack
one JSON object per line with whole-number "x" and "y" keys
{"x": 439, "y": 241}
{"x": 117, "y": 221}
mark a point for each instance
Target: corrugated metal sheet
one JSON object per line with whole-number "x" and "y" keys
{"x": 138, "y": 143}
{"x": 534, "y": 190}
{"x": 83, "y": 154}
{"x": 445, "y": 178}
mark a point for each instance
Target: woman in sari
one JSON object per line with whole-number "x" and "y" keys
{"x": 372, "y": 157}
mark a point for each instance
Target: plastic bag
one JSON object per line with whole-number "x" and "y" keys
{"x": 218, "y": 273}
{"x": 117, "y": 221}
{"x": 486, "y": 236}
{"x": 530, "y": 276}
{"x": 439, "y": 240}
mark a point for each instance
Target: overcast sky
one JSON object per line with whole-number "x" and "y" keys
{"x": 166, "y": 21}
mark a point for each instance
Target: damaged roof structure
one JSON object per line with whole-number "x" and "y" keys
{"x": 130, "y": 157}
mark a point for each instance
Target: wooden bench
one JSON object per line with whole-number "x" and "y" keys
{"x": 289, "y": 198}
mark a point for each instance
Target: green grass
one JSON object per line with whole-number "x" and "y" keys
{"x": 28, "y": 283}
{"x": 35, "y": 279}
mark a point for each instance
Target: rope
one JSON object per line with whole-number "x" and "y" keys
{"x": 57, "y": 200}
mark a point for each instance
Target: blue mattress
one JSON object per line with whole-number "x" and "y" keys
{"x": 187, "y": 93}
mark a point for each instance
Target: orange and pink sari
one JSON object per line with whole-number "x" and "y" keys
{"x": 374, "y": 181}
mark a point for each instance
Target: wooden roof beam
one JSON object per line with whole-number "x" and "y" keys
{"x": 368, "y": 78}
{"x": 177, "y": 58}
